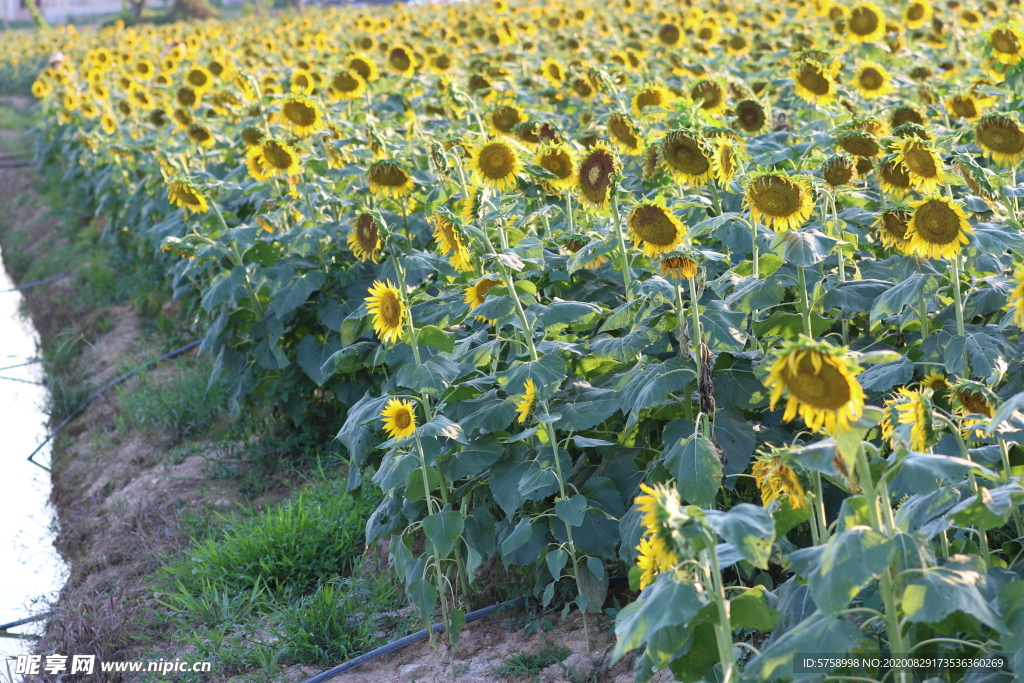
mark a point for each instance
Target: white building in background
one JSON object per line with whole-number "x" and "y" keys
{"x": 58, "y": 11}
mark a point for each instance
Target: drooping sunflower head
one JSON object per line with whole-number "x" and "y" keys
{"x": 624, "y": 134}
{"x": 838, "y": 170}
{"x": 865, "y": 23}
{"x": 914, "y": 425}
{"x": 892, "y": 228}
{"x": 496, "y": 164}
{"x": 965, "y": 106}
{"x": 449, "y": 241}
{"x": 710, "y": 96}
{"x": 389, "y": 178}
{"x": 922, "y": 164}
{"x": 364, "y": 238}
{"x": 596, "y": 175}
{"x": 687, "y": 157}
{"x": 654, "y": 229}
{"x": 776, "y": 479}
{"x": 1001, "y": 137}
{"x": 1006, "y": 45}
{"x": 184, "y": 194}
{"x": 781, "y": 202}
{"x": 652, "y": 97}
{"x": 388, "y": 310}
{"x": 302, "y": 115}
{"x": 504, "y": 118}
{"x": 935, "y": 380}
{"x": 399, "y": 418}
{"x": 974, "y": 403}
{"x": 906, "y": 114}
{"x": 872, "y": 81}
{"x": 678, "y": 267}
{"x": 938, "y": 228}
{"x": 653, "y": 557}
{"x": 560, "y": 161}
{"x": 859, "y": 143}
{"x": 726, "y": 158}
{"x": 813, "y": 82}
{"x": 525, "y": 401}
{"x": 252, "y": 137}
{"x": 750, "y": 116}
{"x": 821, "y": 383}
{"x": 893, "y": 178}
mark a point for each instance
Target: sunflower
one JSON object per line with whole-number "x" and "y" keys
{"x": 450, "y": 241}
{"x": 654, "y": 229}
{"x": 184, "y": 194}
{"x": 938, "y": 228}
{"x": 364, "y": 238}
{"x": 385, "y": 303}
{"x": 1001, "y": 137}
{"x": 388, "y": 177}
{"x": 724, "y": 159}
{"x": 917, "y": 13}
{"x": 201, "y": 135}
{"x": 678, "y": 267}
{"x": 653, "y": 97}
{"x": 892, "y": 228}
{"x": 813, "y": 82}
{"x": 686, "y": 157}
{"x": 503, "y": 119}
{"x": 553, "y": 71}
{"x": 624, "y": 134}
{"x": 821, "y": 383}
{"x": 654, "y": 557}
{"x": 362, "y": 65}
{"x": 750, "y": 116}
{"x": 302, "y": 115}
{"x": 109, "y": 124}
{"x": 838, "y": 170}
{"x": 1016, "y": 298}
{"x": 893, "y": 178}
{"x": 912, "y": 408}
{"x": 595, "y": 176}
{"x": 560, "y": 161}
{"x": 524, "y": 403}
{"x": 399, "y": 418}
{"x": 1005, "y": 43}
{"x": 906, "y": 114}
{"x": 272, "y": 158}
{"x": 964, "y": 107}
{"x": 710, "y": 95}
{"x": 972, "y": 398}
{"x": 775, "y": 479}
{"x": 781, "y": 202}
{"x": 347, "y": 85}
{"x": 476, "y": 294}
{"x": 935, "y": 381}
{"x": 865, "y": 23}
{"x": 737, "y": 45}
{"x": 669, "y": 35}
{"x": 401, "y": 61}
{"x": 496, "y": 163}
{"x": 859, "y": 143}
{"x": 923, "y": 165}
{"x": 872, "y": 80}
{"x": 199, "y": 79}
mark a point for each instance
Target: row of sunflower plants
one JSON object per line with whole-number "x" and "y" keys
{"x": 624, "y": 306}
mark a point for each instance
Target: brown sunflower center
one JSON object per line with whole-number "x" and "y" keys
{"x": 684, "y": 154}
{"x": 366, "y": 232}
{"x": 838, "y": 172}
{"x": 399, "y": 59}
{"x": 906, "y": 115}
{"x": 402, "y": 418}
{"x": 973, "y": 401}
{"x": 738, "y": 42}
{"x": 484, "y": 286}
{"x": 1005, "y": 41}
{"x": 442, "y": 62}
{"x": 497, "y": 161}
{"x": 652, "y": 225}
{"x": 871, "y": 79}
{"x": 199, "y": 133}
{"x": 895, "y": 223}
{"x": 390, "y": 310}
{"x": 1000, "y": 135}
{"x": 345, "y": 82}
{"x": 725, "y": 160}
{"x": 860, "y": 145}
{"x": 277, "y": 156}
{"x": 299, "y": 113}
{"x": 668, "y": 34}
{"x": 622, "y": 130}
{"x": 649, "y": 98}
{"x": 864, "y": 21}
{"x": 965, "y": 107}
{"x": 582, "y": 88}
{"x": 825, "y": 389}
{"x": 920, "y": 161}
{"x": 361, "y": 67}
{"x": 506, "y": 118}
{"x": 895, "y": 174}
{"x": 389, "y": 175}
{"x": 197, "y": 78}
{"x": 915, "y": 12}
{"x": 596, "y": 175}
{"x": 708, "y": 93}
{"x": 936, "y": 223}
{"x": 812, "y": 77}
{"x": 751, "y": 115}
{"x": 775, "y": 196}
{"x": 557, "y": 162}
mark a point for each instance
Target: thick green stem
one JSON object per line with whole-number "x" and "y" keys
{"x": 806, "y": 312}
{"x": 680, "y": 319}
{"x": 716, "y": 200}
{"x": 723, "y": 629}
{"x": 627, "y": 278}
{"x": 1004, "y": 452}
{"x": 957, "y": 301}
{"x": 570, "y": 224}
{"x": 819, "y": 504}
{"x": 922, "y": 311}
{"x": 696, "y": 322}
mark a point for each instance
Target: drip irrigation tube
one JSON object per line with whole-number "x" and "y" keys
{"x": 109, "y": 385}
{"x": 21, "y": 365}
{"x": 422, "y": 635}
{"x": 27, "y": 620}
{"x": 47, "y": 281}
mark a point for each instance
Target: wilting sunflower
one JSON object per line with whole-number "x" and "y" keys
{"x": 560, "y": 161}
{"x": 892, "y": 228}
{"x": 894, "y": 179}
{"x": 776, "y": 479}
{"x": 399, "y": 418}
{"x": 496, "y": 163}
{"x": 710, "y": 95}
{"x": 821, "y": 381}
{"x": 364, "y": 238}
{"x": 865, "y": 23}
{"x": 906, "y": 114}
{"x": 503, "y": 119}
{"x": 872, "y": 80}
{"x": 624, "y": 134}
{"x": 654, "y": 229}
{"x": 923, "y": 165}
{"x": 1016, "y": 299}
{"x": 964, "y": 107}
{"x": 913, "y": 408}
{"x": 272, "y": 158}
{"x": 302, "y": 115}
{"x": 781, "y": 202}
{"x": 750, "y": 116}
{"x": 917, "y": 13}
{"x": 184, "y": 194}
{"x": 388, "y": 310}
{"x": 652, "y": 97}
{"x": 938, "y": 228}
{"x": 725, "y": 158}
{"x": 678, "y": 267}
{"x": 813, "y": 82}
{"x": 973, "y": 398}
{"x": 838, "y": 170}
{"x": 859, "y": 143}
{"x": 388, "y": 177}
{"x": 687, "y": 157}
{"x": 347, "y": 85}
{"x": 1001, "y": 137}
{"x": 449, "y": 241}
{"x": 595, "y": 176}
{"x": 1006, "y": 43}
{"x": 524, "y": 403}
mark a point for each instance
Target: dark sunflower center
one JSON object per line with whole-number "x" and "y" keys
{"x": 442, "y": 62}
{"x": 838, "y": 172}
{"x": 906, "y": 115}
{"x": 738, "y": 42}
{"x": 751, "y": 115}
{"x": 937, "y": 223}
{"x": 582, "y": 88}
{"x": 668, "y": 34}
{"x": 399, "y": 59}
{"x": 860, "y": 145}
{"x": 915, "y": 12}
{"x": 895, "y": 223}
{"x": 402, "y": 418}
{"x": 895, "y": 175}
{"x": 188, "y": 196}
{"x": 596, "y": 175}
{"x": 496, "y": 161}
{"x": 1001, "y": 136}
{"x": 483, "y": 287}
{"x": 708, "y": 93}
{"x": 623, "y": 132}
{"x": 775, "y": 196}
{"x": 725, "y": 160}
{"x": 506, "y": 118}
{"x": 824, "y": 389}
{"x": 684, "y": 154}
{"x": 919, "y": 161}
{"x": 197, "y": 78}
{"x": 1005, "y": 41}
{"x": 974, "y": 402}
{"x": 345, "y": 82}
{"x": 648, "y": 98}
{"x": 198, "y": 133}
{"x": 277, "y": 156}
{"x": 367, "y": 232}
{"x": 653, "y": 225}
{"x": 557, "y": 162}
{"x": 360, "y": 67}
{"x": 813, "y": 78}
{"x": 390, "y": 310}
{"x": 299, "y": 113}
{"x": 864, "y": 21}
{"x": 965, "y": 107}
{"x": 389, "y": 175}
{"x": 870, "y": 79}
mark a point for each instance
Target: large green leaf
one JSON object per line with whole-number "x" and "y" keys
{"x": 818, "y": 634}
{"x": 443, "y": 529}
{"x": 473, "y": 459}
{"x": 885, "y": 376}
{"x": 624, "y": 348}
{"x": 313, "y": 357}
{"x": 296, "y": 292}
{"x": 584, "y": 406}
{"x": 547, "y": 370}
{"x": 723, "y": 329}
{"x": 697, "y": 468}
{"x": 854, "y": 297}
{"x": 837, "y": 571}
{"x": 750, "y": 609}
{"x": 488, "y": 413}
{"x": 433, "y": 376}
{"x": 750, "y": 530}
{"x": 802, "y": 248}
{"x": 667, "y": 602}
{"x": 906, "y": 293}
{"x": 650, "y": 386}
{"x": 956, "y": 586}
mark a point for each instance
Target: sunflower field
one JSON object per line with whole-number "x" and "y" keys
{"x": 726, "y": 297}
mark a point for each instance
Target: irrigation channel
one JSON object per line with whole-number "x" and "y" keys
{"x": 30, "y": 567}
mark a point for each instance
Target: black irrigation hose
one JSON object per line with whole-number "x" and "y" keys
{"x": 422, "y": 635}
{"x": 47, "y": 281}
{"x": 27, "y": 620}
{"x": 109, "y": 385}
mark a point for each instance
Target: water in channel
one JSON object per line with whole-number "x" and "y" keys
{"x": 30, "y": 567}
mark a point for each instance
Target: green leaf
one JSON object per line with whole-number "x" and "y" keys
{"x": 228, "y": 286}
{"x": 504, "y": 482}
{"x": 750, "y": 610}
{"x": 736, "y": 437}
{"x": 624, "y": 348}
{"x": 519, "y": 537}
{"x": 433, "y": 377}
{"x": 556, "y": 560}
{"x": 986, "y": 356}
{"x": 837, "y": 572}
{"x": 443, "y": 427}
{"x": 1011, "y": 606}
{"x": 488, "y": 413}
{"x": 571, "y": 511}
{"x": 548, "y": 370}
{"x": 885, "y": 376}
{"x": 475, "y": 458}
{"x": 818, "y": 633}
{"x": 753, "y": 295}
{"x": 790, "y": 325}
{"x": 697, "y": 469}
{"x": 723, "y": 328}
{"x": 443, "y": 529}
{"x": 423, "y": 594}
{"x": 957, "y": 586}
{"x": 433, "y": 336}
{"x": 906, "y": 293}
{"x": 748, "y": 528}
{"x": 297, "y": 291}
{"x": 584, "y": 406}
{"x": 665, "y": 603}
{"x": 313, "y": 357}
{"x": 593, "y": 583}
{"x": 802, "y": 248}
{"x": 394, "y": 470}
{"x": 989, "y": 509}
{"x": 854, "y": 297}
{"x": 495, "y": 308}
{"x": 566, "y": 312}
{"x": 651, "y": 385}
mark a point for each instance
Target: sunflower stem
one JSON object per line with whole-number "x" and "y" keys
{"x": 680, "y": 318}
{"x": 723, "y": 629}
{"x": 696, "y": 322}
{"x": 957, "y": 303}
{"x": 922, "y": 311}
{"x": 819, "y": 505}
{"x": 568, "y": 211}
{"x": 1004, "y": 452}
{"x": 716, "y": 201}
{"x": 806, "y": 303}
{"x": 626, "y": 277}
{"x": 972, "y": 480}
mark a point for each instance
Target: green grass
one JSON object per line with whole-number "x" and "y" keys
{"x": 182, "y": 405}
{"x": 532, "y": 663}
